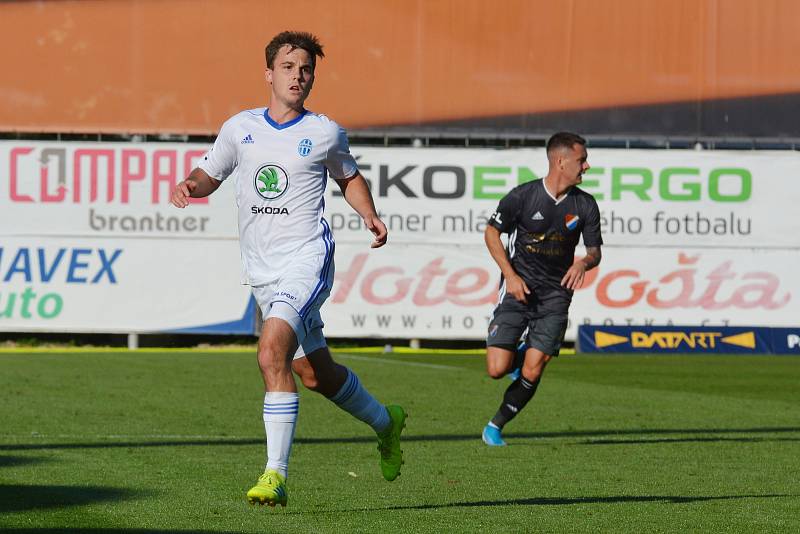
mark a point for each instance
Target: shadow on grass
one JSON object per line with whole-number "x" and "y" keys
{"x": 598, "y": 434}
{"x": 560, "y": 501}
{"x": 683, "y": 440}
{"x": 11, "y": 461}
{"x": 108, "y": 531}
{"x": 17, "y": 498}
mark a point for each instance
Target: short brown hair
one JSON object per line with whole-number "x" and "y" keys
{"x": 564, "y": 140}
{"x": 304, "y": 40}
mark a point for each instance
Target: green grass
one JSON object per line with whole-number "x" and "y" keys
{"x": 155, "y": 442}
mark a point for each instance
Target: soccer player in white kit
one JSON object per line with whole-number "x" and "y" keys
{"x": 280, "y": 158}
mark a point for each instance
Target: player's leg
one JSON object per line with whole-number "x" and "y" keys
{"x": 545, "y": 335}
{"x": 281, "y": 401}
{"x": 522, "y": 390}
{"x": 509, "y": 321}
{"x": 519, "y": 358}
{"x": 505, "y": 362}
{"x": 281, "y": 405}
{"x": 280, "y": 334}
{"x": 319, "y": 372}
{"x": 275, "y": 345}
{"x": 498, "y": 361}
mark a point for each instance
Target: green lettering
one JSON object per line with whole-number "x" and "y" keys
{"x": 58, "y": 303}
{"x": 588, "y": 184}
{"x": 639, "y": 189}
{"x": 745, "y": 185}
{"x": 10, "y": 299}
{"x": 482, "y": 180}
{"x": 691, "y": 189}
{"x": 525, "y": 175}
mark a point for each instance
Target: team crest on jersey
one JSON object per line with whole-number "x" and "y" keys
{"x": 271, "y": 181}
{"x": 304, "y": 147}
{"x": 571, "y": 221}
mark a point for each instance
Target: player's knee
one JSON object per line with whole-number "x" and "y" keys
{"x": 306, "y": 373}
{"x": 271, "y": 366}
{"x": 532, "y": 372}
{"x": 496, "y": 371}
{"x": 310, "y": 381}
{"x": 271, "y": 361}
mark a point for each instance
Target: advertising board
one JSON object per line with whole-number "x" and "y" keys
{"x": 89, "y": 242}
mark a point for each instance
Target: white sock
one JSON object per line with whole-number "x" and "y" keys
{"x": 280, "y": 418}
{"x": 357, "y": 401}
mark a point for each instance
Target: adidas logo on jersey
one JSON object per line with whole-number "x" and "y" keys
{"x": 538, "y": 216}
{"x": 248, "y": 140}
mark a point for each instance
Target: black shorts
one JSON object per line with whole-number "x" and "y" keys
{"x": 545, "y": 319}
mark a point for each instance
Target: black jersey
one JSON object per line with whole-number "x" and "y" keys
{"x": 544, "y": 232}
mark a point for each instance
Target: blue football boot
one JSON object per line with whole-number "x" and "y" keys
{"x": 491, "y": 436}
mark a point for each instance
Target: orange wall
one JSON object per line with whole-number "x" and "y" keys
{"x": 184, "y": 66}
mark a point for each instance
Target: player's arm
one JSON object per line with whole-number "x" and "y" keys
{"x": 197, "y": 185}
{"x": 592, "y": 240}
{"x": 577, "y": 271}
{"x": 504, "y": 220}
{"x": 514, "y": 283}
{"x": 357, "y": 194}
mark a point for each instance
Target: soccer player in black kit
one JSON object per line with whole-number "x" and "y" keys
{"x": 544, "y": 219}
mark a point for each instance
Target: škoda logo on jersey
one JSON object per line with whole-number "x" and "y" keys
{"x": 271, "y": 181}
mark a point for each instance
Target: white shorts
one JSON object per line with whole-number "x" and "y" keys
{"x": 297, "y": 299}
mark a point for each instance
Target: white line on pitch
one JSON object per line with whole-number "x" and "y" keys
{"x": 122, "y": 436}
{"x": 398, "y": 362}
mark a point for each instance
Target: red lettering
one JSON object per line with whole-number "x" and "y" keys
{"x": 99, "y": 166}
{"x": 455, "y": 291}
{"x": 686, "y": 279}
{"x": 15, "y": 153}
{"x": 708, "y": 299}
{"x": 94, "y": 155}
{"x": 428, "y": 273}
{"x": 763, "y": 293}
{"x": 128, "y": 175}
{"x": 44, "y": 188}
{"x": 402, "y": 286}
{"x": 637, "y": 289}
{"x": 168, "y": 177}
{"x": 347, "y": 279}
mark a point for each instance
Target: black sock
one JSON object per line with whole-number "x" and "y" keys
{"x": 519, "y": 357}
{"x": 516, "y": 397}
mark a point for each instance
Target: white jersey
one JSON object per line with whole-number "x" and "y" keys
{"x": 280, "y": 172}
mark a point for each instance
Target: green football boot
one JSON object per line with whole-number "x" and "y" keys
{"x": 270, "y": 489}
{"x": 389, "y": 443}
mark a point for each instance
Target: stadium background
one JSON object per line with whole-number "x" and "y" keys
{"x": 691, "y": 112}
{"x": 690, "y": 108}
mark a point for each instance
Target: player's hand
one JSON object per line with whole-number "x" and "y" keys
{"x": 378, "y": 229}
{"x": 182, "y": 193}
{"x": 517, "y": 288}
{"x": 575, "y": 275}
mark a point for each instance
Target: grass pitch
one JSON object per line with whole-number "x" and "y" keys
{"x": 171, "y": 441}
